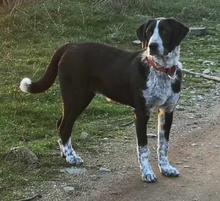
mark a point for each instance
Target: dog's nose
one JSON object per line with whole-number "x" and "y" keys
{"x": 153, "y": 46}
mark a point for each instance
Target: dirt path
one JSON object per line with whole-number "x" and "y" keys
{"x": 198, "y": 159}
{"x": 194, "y": 150}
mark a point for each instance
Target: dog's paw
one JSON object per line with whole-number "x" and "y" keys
{"x": 146, "y": 169}
{"x": 69, "y": 154}
{"x": 149, "y": 178}
{"x": 168, "y": 170}
{"x": 74, "y": 160}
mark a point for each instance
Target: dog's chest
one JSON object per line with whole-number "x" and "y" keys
{"x": 159, "y": 92}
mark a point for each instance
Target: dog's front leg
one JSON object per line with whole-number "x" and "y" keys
{"x": 164, "y": 124}
{"x": 69, "y": 154}
{"x": 143, "y": 150}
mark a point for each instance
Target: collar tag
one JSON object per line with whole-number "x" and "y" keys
{"x": 173, "y": 77}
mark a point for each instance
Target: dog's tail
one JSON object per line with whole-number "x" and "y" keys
{"x": 45, "y": 82}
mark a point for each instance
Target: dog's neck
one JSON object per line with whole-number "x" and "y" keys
{"x": 170, "y": 71}
{"x": 167, "y": 61}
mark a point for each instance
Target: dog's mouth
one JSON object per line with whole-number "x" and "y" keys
{"x": 158, "y": 53}
{"x": 155, "y": 50}
{"x": 154, "y": 53}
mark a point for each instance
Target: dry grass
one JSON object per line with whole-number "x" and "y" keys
{"x": 120, "y": 5}
{"x": 16, "y": 2}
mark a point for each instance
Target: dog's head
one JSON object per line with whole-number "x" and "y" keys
{"x": 161, "y": 36}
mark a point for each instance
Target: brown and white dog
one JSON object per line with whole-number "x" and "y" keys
{"x": 148, "y": 81}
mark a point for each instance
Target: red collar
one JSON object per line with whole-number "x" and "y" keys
{"x": 169, "y": 71}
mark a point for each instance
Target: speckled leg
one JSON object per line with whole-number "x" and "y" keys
{"x": 164, "y": 125}
{"x": 74, "y": 102}
{"x": 69, "y": 154}
{"x": 146, "y": 169}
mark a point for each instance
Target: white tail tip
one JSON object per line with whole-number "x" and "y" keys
{"x": 25, "y": 84}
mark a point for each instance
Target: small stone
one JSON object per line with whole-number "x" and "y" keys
{"x": 197, "y": 75}
{"x": 180, "y": 108}
{"x": 115, "y": 35}
{"x": 74, "y": 171}
{"x": 200, "y": 98}
{"x": 29, "y": 155}
{"x": 216, "y": 93}
{"x": 69, "y": 189}
{"x": 152, "y": 135}
{"x": 194, "y": 144}
{"x": 198, "y": 31}
{"x": 206, "y": 71}
{"x": 22, "y": 154}
{"x": 209, "y": 63}
{"x": 136, "y": 42}
{"x": 192, "y": 92}
{"x": 85, "y": 136}
{"x": 180, "y": 162}
{"x": 102, "y": 169}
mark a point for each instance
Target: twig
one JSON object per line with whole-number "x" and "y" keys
{"x": 37, "y": 196}
{"x": 209, "y": 77}
{"x": 151, "y": 135}
{"x": 83, "y": 16}
{"x": 50, "y": 16}
{"x": 128, "y": 123}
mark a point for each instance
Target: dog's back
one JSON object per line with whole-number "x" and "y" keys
{"x": 102, "y": 69}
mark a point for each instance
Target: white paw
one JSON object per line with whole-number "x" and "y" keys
{"x": 146, "y": 169}
{"x": 168, "y": 170}
{"x": 149, "y": 177}
{"x": 69, "y": 154}
{"x": 74, "y": 159}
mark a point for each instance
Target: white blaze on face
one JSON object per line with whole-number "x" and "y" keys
{"x": 155, "y": 38}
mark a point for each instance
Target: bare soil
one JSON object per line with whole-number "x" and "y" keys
{"x": 194, "y": 150}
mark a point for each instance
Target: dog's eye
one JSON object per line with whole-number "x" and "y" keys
{"x": 164, "y": 32}
{"x": 149, "y": 33}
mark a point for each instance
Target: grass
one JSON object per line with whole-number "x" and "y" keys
{"x": 30, "y": 33}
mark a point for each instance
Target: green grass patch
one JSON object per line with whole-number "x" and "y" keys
{"x": 29, "y": 35}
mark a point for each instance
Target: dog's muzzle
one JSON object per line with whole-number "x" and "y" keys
{"x": 153, "y": 47}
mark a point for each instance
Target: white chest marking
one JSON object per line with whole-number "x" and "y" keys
{"x": 159, "y": 93}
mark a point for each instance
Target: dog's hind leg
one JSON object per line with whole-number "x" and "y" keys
{"x": 73, "y": 105}
{"x": 164, "y": 124}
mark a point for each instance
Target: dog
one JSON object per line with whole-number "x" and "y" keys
{"x": 148, "y": 81}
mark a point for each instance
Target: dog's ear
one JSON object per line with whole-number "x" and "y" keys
{"x": 180, "y": 31}
{"x": 141, "y": 33}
